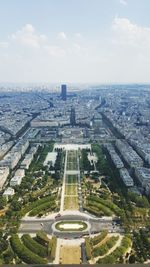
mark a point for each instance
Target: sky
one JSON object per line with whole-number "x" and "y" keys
{"x": 75, "y": 41}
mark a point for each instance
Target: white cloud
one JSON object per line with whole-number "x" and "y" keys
{"x": 77, "y": 59}
{"x": 78, "y": 35}
{"x": 128, "y": 33}
{"x": 4, "y": 44}
{"x": 123, "y": 2}
{"x": 54, "y": 50}
{"x": 62, "y": 36}
{"x": 32, "y": 56}
{"x": 77, "y": 47}
{"x": 28, "y": 36}
{"x": 130, "y": 50}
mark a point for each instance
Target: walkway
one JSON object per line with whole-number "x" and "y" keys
{"x": 63, "y": 185}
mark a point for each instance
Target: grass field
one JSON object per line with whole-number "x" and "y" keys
{"x": 72, "y": 160}
{"x": 71, "y": 183}
{"x": 71, "y": 226}
{"x": 71, "y": 179}
{"x": 70, "y": 255}
{"x": 72, "y": 165}
{"x": 71, "y": 189}
{"x": 71, "y": 203}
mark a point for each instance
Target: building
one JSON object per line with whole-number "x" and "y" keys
{"x": 73, "y": 117}
{"x": 129, "y": 155}
{"x": 26, "y": 162}
{"x": 126, "y": 178}
{"x": 143, "y": 176}
{"x": 64, "y": 92}
{"x": 147, "y": 189}
{"x": 44, "y": 123}
{"x": 114, "y": 156}
{"x": 34, "y": 149}
{"x": 50, "y": 159}
{"x": 11, "y": 159}
{"x": 21, "y": 146}
{"x": 9, "y": 192}
{"x": 17, "y": 179}
{"x": 4, "y": 172}
{"x": 97, "y": 120}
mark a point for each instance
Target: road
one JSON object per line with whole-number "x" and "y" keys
{"x": 96, "y": 225}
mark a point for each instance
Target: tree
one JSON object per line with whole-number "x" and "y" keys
{"x": 15, "y": 205}
{"x": 3, "y": 245}
{"x": 132, "y": 258}
{"x": 3, "y": 202}
{"x": 1, "y": 233}
{"x": 8, "y": 256}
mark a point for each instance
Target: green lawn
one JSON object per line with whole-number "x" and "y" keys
{"x": 71, "y": 189}
{"x": 83, "y": 226}
{"x": 72, "y": 160}
{"x": 71, "y": 179}
{"x": 71, "y": 203}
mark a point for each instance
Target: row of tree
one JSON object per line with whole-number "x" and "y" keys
{"x": 105, "y": 247}
{"x": 25, "y": 254}
{"x": 141, "y": 245}
{"x": 34, "y": 246}
{"x": 117, "y": 255}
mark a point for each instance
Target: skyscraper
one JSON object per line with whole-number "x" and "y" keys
{"x": 64, "y": 92}
{"x": 73, "y": 117}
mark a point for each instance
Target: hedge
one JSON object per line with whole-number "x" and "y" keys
{"x": 24, "y": 253}
{"x": 53, "y": 247}
{"x": 34, "y": 246}
{"x": 108, "y": 259}
{"x": 44, "y": 207}
{"x": 49, "y": 249}
{"x": 41, "y": 237}
{"x": 100, "y": 206}
{"x": 118, "y": 252}
{"x": 100, "y": 251}
{"x": 93, "y": 210}
{"x": 104, "y": 248}
{"x": 88, "y": 248}
{"x": 107, "y": 203}
{"x": 37, "y": 203}
{"x": 97, "y": 239}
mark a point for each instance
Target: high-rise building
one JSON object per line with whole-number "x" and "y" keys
{"x": 73, "y": 117}
{"x": 64, "y": 92}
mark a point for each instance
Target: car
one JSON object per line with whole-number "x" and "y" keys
{"x": 58, "y": 216}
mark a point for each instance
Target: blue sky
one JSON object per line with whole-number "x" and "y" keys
{"x": 74, "y": 41}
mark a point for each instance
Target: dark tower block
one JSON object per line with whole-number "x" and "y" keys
{"x": 64, "y": 92}
{"x": 73, "y": 117}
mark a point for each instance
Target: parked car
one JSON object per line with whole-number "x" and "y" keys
{"x": 58, "y": 216}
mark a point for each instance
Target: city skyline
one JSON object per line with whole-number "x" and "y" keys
{"x": 75, "y": 41}
{"x": 75, "y": 175}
